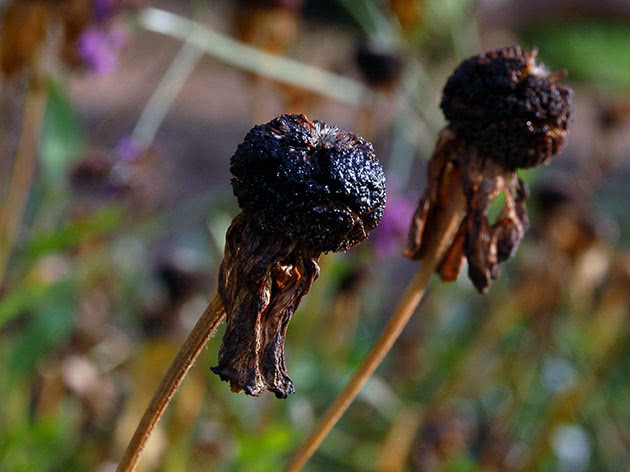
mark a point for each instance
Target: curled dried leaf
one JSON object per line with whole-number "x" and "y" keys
{"x": 456, "y": 163}
{"x": 262, "y": 280}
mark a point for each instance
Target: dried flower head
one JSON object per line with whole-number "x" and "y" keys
{"x": 379, "y": 65}
{"x": 304, "y": 188}
{"x": 505, "y": 112}
{"x": 271, "y": 25}
{"x": 511, "y": 108}
{"x": 566, "y": 221}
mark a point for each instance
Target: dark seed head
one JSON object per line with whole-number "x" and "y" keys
{"x": 379, "y": 66}
{"x": 511, "y": 108}
{"x": 309, "y": 181}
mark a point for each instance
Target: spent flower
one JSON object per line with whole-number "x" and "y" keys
{"x": 505, "y": 112}
{"x": 304, "y": 188}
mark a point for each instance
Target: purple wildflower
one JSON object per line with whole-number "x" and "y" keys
{"x": 389, "y": 236}
{"x": 104, "y": 10}
{"x": 99, "y": 48}
{"x": 128, "y": 148}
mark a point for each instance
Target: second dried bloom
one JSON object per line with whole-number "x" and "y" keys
{"x": 304, "y": 188}
{"x": 505, "y": 112}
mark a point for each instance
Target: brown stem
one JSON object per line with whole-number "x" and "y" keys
{"x": 186, "y": 357}
{"x": 449, "y": 224}
{"x": 23, "y": 169}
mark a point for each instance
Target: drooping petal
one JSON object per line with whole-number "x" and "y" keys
{"x": 261, "y": 282}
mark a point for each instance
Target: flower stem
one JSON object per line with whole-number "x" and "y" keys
{"x": 450, "y": 221}
{"x": 24, "y": 166}
{"x": 204, "y": 329}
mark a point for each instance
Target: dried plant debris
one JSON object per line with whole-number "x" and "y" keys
{"x": 505, "y": 112}
{"x": 304, "y": 188}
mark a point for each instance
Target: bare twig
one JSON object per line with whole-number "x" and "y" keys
{"x": 186, "y": 357}
{"x": 451, "y": 220}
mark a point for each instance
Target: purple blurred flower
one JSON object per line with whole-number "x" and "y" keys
{"x": 388, "y": 238}
{"x": 99, "y": 48}
{"x": 104, "y": 10}
{"x": 128, "y": 148}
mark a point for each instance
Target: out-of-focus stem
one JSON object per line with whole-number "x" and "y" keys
{"x": 158, "y": 105}
{"x": 449, "y": 224}
{"x": 184, "y": 360}
{"x": 487, "y": 336}
{"x": 399, "y": 441}
{"x": 608, "y": 340}
{"x": 24, "y": 165}
{"x": 458, "y": 375}
{"x": 245, "y": 57}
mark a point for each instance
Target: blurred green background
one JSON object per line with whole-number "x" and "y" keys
{"x": 112, "y": 231}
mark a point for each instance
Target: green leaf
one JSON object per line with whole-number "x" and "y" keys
{"x": 99, "y": 223}
{"x": 460, "y": 463}
{"x": 62, "y": 135}
{"x": 591, "y": 51}
{"x": 264, "y": 451}
{"x": 43, "y": 445}
{"x": 50, "y": 326}
{"x": 20, "y": 300}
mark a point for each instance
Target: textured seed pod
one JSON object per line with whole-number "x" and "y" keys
{"x": 304, "y": 188}
{"x": 310, "y": 181}
{"x": 511, "y": 108}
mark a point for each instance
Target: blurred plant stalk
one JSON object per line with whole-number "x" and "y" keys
{"x": 247, "y": 58}
{"x": 450, "y": 221}
{"x": 203, "y": 330}
{"x": 165, "y": 93}
{"x": 458, "y": 376}
{"x": 24, "y": 166}
{"x": 606, "y": 339}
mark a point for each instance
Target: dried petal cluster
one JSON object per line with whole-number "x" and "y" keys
{"x": 505, "y": 112}
{"x": 304, "y": 188}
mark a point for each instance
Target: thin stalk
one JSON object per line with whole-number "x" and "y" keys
{"x": 449, "y": 224}
{"x": 23, "y": 169}
{"x": 165, "y": 93}
{"x": 245, "y": 57}
{"x": 204, "y": 329}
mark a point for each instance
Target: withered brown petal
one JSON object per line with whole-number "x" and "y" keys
{"x": 513, "y": 221}
{"x": 458, "y": 164}
{"x": 261, "y": 282}
{"x": 442, "y": 178}
{"x": 453, "y": 260}
{"x": 483, "y": 181}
